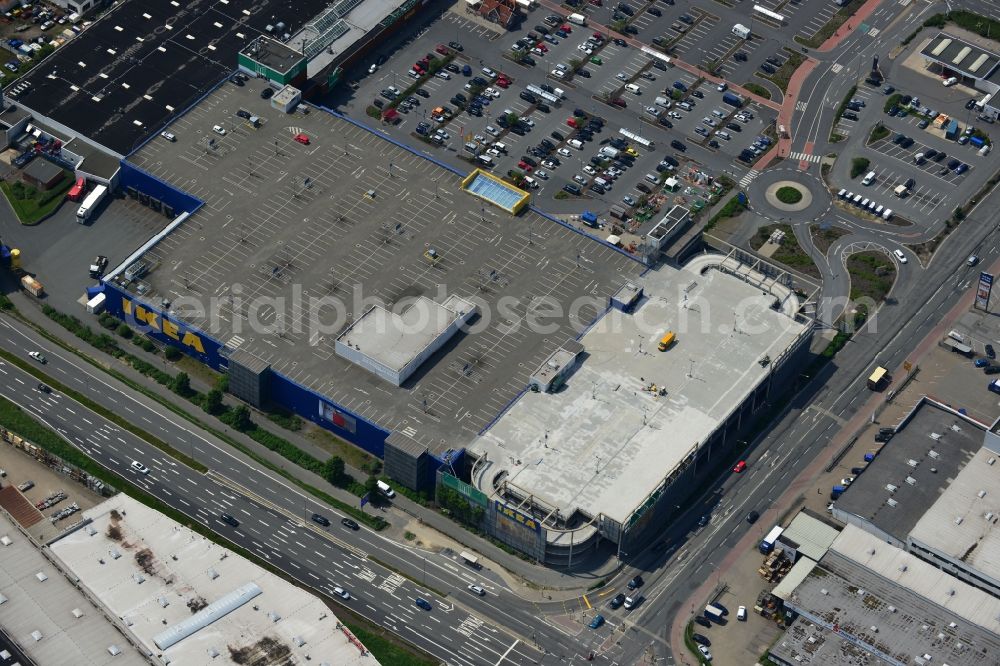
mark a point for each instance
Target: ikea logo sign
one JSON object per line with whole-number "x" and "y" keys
{"x": 168, "y": 328}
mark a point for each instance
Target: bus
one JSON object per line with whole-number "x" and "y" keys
{"x": 666, "y": 341}
{"x": 713, "y": 613}
{"x": 878, "y": 379}
{"x": 767, "y": 15}
{"x": 767, "y": 545}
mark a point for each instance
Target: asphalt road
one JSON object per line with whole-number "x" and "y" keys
{"x": 273, "y": 523}
{"x": 501, "y": 628}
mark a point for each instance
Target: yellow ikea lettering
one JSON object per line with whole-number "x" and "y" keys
{"x": 170, "y": 329}
{"x": 193, "y": 341}
{"x": 150, "y": 318}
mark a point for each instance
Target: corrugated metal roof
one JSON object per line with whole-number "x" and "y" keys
{"x": 793, "y": 578}
{"x": 811, "y": 535}
{"x": 921, "y": 578}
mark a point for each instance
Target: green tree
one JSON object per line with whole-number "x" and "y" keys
{"x": 181, "y": 384}
{"x": 212, "y": 402}
{"x": 124, "y": 331}
{"x": 172, "y": 353}
{"x": 240, "y": 418}
{"x": 333, "y": 470}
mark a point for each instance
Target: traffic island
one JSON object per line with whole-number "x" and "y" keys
{"x": 788, "y": 196}
{"x": 778, "y": 243}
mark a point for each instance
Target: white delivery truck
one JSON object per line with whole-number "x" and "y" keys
{"x": 91, "y": 202}
{"x": 741, "y": 31}
{"x": 579, "y": 19}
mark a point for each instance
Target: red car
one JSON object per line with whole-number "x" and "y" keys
{"x": 598, "y": 36}
{"x": 418, "y": 69}
{"x": 527, "y": 168}
{"x": 618, "y": 101}
{"x": 572, "y": 122}
{"x": 542, "y": 47}
{"x": 302, "y": 138}
{"x": 442, "y": 49}
{"x": 566, "y": 27}
{"x": 740, "y": 466}
{"x": 502, "y": 83}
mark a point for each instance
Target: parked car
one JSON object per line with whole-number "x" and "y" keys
{"x": 617, "y": 601}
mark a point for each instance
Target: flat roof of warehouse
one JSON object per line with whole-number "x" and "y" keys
{"x": 880, "y": 597}
{"x": 327, "y": 221}
{"x": 630, "y": 414}
{"x": 166, "y": 583}
{"x": 931, "y": 448}
{"x": 39, "y": 597}
{"x": 961, "y": 56}
{"x": 145, "y": 61}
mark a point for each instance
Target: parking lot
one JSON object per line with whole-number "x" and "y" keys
{"x": 540, "y": 142}
{"x": 48, "y": 491}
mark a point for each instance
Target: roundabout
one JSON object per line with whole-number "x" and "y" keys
{"x": 782, "y": 194}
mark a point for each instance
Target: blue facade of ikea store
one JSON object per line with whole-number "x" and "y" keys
{"x": 282, "y": 391}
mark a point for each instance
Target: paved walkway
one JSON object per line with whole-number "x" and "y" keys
{"x": 529, "y": 580}
{"x": 864, "y": 11}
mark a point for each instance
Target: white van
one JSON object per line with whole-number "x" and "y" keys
{"x": 485, "y": 160}
{"x": 531, "y": 182}
{"x": 653, "y": 178}
{"x": 869, "y": 179}
{"x": 887, "y": 215}
{"x": 741, "y": 31}
{"x": 386, "y": 489}
{"x": 502, "y": 147}
{"x": 634, "y": 89}
{"x": 723, "y": 135}
{"x": 576, "y": 143}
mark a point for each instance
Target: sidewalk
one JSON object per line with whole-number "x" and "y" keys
{"x": 845, "y": 30}
{"x": 806, "y": 479}
{"x": 529, "y": 580}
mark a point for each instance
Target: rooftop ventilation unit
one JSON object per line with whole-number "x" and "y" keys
{"x": 991, "y": 460}
{"x": 891, "y": 502}
{"x": 958, "y": 521}
{"x": 936, "y": 436}
{"x": 981, "y": 494}
{"x": 934, "y": 454}
{"x": 912, "y": 463}
{"x": 891, "y": 488}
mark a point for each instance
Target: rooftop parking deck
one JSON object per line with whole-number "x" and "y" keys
{"x": 294, "y": 238}
{"x": 631, "y": 413}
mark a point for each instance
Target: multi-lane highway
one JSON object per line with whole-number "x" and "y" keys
{"x": 274, "y": 522}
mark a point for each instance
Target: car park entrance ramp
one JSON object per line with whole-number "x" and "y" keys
{"x": 488, "y": 187}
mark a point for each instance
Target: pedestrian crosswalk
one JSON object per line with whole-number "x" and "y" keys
{"x": 747, "y": 179}
{"x": 805, "y": 157}
{"x": 836, "y": 68}
{"x": 801, "y": 106}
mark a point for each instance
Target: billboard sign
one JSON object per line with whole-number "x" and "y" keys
{"x": 984, "y": 289}
{"x": 516, "y": 516}
{"x": 341, "y": 419}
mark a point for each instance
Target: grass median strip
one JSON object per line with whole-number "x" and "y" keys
{"x": 375, "y": 522}
{"x": 386, "y": 647}
{"x": 36, "y": 372}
